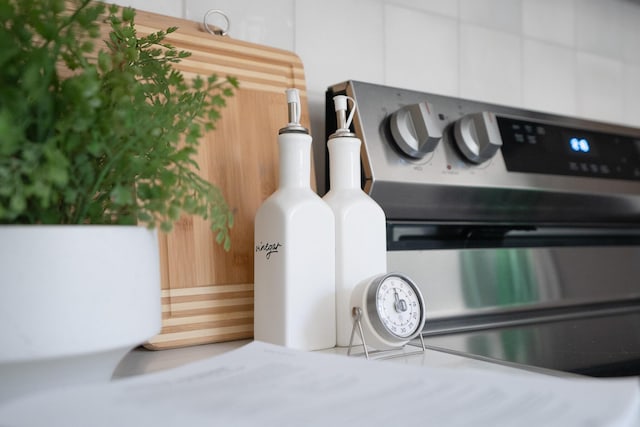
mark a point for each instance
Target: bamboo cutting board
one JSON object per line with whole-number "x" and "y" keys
{"x": 207, "y": 293}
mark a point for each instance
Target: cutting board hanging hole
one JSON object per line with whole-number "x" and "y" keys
{"x": 219, "y": 25}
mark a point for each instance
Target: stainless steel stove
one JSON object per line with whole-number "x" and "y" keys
{"x": 522, "y": 228}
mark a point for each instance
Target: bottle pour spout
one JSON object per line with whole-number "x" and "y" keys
{"x": 295, "y": 111}
{"x": 343, "y": 123}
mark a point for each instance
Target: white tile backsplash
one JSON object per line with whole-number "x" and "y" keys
{"x": 599, "y": 87}
{"x": 490, "y": 65}
{"x": 421, "y": 51}
{"x": 503, "y": 15}
{"x": 577, "y": 57}
{"x": 631, "y": 32}
{"x": 598, "y": 26}
{"x": 549, "y": 20}
{"x": 340, "y": 40}
{"x": 440, "y": 7}
{"x": 631, "y": 95}
{"x": 548, "y": 77}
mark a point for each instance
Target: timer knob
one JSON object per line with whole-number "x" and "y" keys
{"x": 478, "y": 136}
{"x": 415, "y": 129}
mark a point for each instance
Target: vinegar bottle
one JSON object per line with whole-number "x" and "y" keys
{"x": 361, "y": 244}
{"x": 294, "y": 263}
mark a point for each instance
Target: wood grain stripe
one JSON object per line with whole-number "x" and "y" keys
{"x": 203, "y": 333}
{"x": 177, "y": 307}
{"x": 162, "y": 343}
{"x": 207, "y": 290}
{"x": 208, "y": 318}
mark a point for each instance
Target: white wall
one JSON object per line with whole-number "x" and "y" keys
{"x": 574, "y": 57}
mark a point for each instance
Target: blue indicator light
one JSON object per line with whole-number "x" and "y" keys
{"x": 579, "y": 145}
{"x": 584, "y": 146}
{"x": 575, "y": 144}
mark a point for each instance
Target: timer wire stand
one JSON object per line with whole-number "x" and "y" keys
{"x": 380, "y": 354}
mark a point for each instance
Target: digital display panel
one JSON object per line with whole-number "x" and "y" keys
{"x": 550, "y": 149}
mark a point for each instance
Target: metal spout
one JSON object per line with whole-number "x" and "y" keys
{"x": 295, "y": 111}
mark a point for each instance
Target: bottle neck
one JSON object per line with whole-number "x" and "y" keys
{"x": 344, "y": 162}
{"x": 295, "y": 160}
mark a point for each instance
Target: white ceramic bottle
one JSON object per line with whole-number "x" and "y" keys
{"x": 294, "y": 263}
{"x": 361, "y": 244}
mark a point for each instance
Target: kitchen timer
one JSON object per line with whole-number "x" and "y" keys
{"x": 388, "y": 311}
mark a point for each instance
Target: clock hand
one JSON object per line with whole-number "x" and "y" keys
{"x": 400, "y": 305}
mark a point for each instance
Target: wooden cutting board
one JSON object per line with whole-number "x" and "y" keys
{"x": 207, "y": 293}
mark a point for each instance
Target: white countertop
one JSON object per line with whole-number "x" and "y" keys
{"x": 141, "y": 361}
{"x": 250, "y": 371}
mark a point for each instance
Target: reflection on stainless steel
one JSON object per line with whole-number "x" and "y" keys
{"x": 595, "y": 345}
{"x": 463, "y": 282}
{"x": 521, "y": 228}
{"x": 574, "y": 309}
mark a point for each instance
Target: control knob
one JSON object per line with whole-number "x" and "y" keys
{"x": 478, "y": 136}
{"x": 415, "y": 129}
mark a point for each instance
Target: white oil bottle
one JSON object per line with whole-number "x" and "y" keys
{"x": 294, "y": 263}
{"x": 361, "y": 243}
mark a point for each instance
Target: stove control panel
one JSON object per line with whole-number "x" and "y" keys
{"x": 429, "y": 157}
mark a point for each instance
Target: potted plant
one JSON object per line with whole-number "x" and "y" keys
{"x": 96, "y": 150}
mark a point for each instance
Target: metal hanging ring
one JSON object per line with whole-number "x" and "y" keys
{"x": 215, "y": 30}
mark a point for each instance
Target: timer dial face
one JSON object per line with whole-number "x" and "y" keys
{"x": 399, "y": 306}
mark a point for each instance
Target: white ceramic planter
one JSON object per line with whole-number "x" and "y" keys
{"x": 73, "y": 301}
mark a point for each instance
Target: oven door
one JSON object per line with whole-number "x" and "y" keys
{"x": 567, "y": 301}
